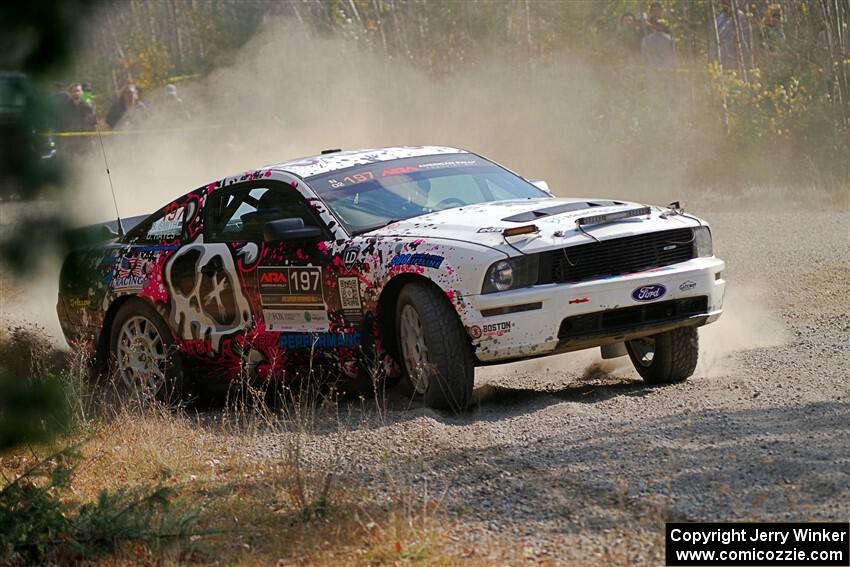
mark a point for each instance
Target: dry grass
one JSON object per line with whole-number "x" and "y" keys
{"x": 251, "y": 510}
{"x": 266, "y": 509}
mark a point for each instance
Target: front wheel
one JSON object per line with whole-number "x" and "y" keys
{"x": 436, "y": 356}
{"x": 666, "y": 357}
{"x": 144, "y": 353}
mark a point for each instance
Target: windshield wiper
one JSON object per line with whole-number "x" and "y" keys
{"x": 375, "y": 227}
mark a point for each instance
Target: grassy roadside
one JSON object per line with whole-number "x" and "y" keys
{"x": 150, "y": 485}
{"x": 247, "y": 511}
{"x": 134, "y": 482}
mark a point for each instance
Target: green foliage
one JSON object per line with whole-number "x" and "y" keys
{"x": 39, "y": 524}
{"x": 34, "y": 401}
{"x": 35, "y": 411}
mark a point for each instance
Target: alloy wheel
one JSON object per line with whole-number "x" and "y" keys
{"x": 142, "y": 356}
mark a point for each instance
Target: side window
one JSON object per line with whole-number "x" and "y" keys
{"x": 240, "y": 214}
{"x": 165, "y": 224}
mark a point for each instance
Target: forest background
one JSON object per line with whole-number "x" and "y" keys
{"x": 782, "y": 118}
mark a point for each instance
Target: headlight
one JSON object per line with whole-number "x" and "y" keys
{"x": 511, "y": 274}
{"x": 702, "y": 242}
{"x": 501, "y": 275}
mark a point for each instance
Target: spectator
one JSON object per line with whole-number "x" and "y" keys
{"x": 172, "y": 106}
{"x": 728, "y": 39}
{"x": 629, "y": 34}
{"x": 656, "y": 20}
{"x": 87, "y": 94}
{"x": 772, "y": 36}
{"x": 128, "y": 110}
{"x": 659, "y": 58}
{"x": 75, "y": 114}
{"x": 658, "y": 48}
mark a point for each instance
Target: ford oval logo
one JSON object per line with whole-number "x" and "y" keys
{"x": 649, "y": 292}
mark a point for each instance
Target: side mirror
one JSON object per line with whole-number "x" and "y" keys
{"x": 540, "y": 184}
{"x": 289, "y": 229}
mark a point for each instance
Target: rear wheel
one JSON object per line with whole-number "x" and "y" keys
{"x": 666, "y": 357}
{"x": 436, "y": 357}
{"x": 144, "y": 353}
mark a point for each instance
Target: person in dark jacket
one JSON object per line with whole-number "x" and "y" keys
{"x": 75, "y": 114}
{"x": 128, "y": 110}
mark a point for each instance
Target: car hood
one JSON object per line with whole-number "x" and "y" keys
{"x": 555, "y": 219}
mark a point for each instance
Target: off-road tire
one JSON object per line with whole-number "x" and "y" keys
{"x": 172, "y": 389}
{"x": 674, "y": 359}
{"x": 452, "y": 368}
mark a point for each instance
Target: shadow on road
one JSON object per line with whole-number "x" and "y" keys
{"x": 754, "y": 464}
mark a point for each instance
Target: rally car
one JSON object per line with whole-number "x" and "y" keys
{"x": 423, "y": 262}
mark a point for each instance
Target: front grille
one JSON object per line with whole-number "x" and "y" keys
{"x": 614, "y": 321}
{"x": 616, "y": 257}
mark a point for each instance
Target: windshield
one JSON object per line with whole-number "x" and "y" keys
{"x": 370, "y": 196}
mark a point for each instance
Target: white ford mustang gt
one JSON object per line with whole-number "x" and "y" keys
{"x": 423, "y": 261}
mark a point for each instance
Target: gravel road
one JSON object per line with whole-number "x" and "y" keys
{"x": 563, "y": 460}
{"x": 569, "y": 460}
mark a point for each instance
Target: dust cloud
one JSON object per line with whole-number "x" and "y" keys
{"x": 289, "y": 94}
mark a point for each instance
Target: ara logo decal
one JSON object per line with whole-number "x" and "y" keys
{"x": 649, "y": 292}
{"x": 399, "y": 171}
{"x": 273, "y": 277}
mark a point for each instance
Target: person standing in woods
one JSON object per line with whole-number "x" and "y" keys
{"x": 729, "y": 34}
{"x": 128, "y": 110}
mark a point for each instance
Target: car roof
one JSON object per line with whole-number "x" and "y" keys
{"x": 328, "y": 162}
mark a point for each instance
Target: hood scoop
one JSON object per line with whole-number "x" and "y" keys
{"x": 528, "y": 216}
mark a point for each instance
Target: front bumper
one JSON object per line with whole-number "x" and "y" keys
{"x": 544, "y": 319}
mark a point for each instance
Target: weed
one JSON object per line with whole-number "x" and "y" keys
{"x": 39, "y": 525}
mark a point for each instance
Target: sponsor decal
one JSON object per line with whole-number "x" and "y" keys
{"x": 399, "y": 170}
{"x": 319, "y": 340}
{"x": 307, "y": 320}
{"x": 349, "y": 257}
{"x": 687, "y": 285}
{"x": 274, "y": 278}
{"x": 496, "y": 329}
{"x": 427, "y": 260}
{"x": 292, "y": 298}
{"x": 281, "y": 285}
{"x": 77, "y": 303}
{"x": 169, "y": 226}
{"x": 132, "y": 273}
{"x": 649, "y": 292}
{"x": 349, "y": 298}
{"x": 579, "y": 300}
{"x": 491, "y": 229}
{"x": 475, "y": 332}
{"x": 195, "y": 347}
{"x": 440, "y": 164}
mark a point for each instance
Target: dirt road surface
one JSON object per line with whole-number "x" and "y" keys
{"x": 569, "y": 461}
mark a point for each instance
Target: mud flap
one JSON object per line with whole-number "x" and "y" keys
{"x": 613, "y": 350}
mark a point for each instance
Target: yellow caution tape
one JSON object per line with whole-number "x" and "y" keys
{"x": 123, "y": 132}
{"x": 178, "y": 78}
